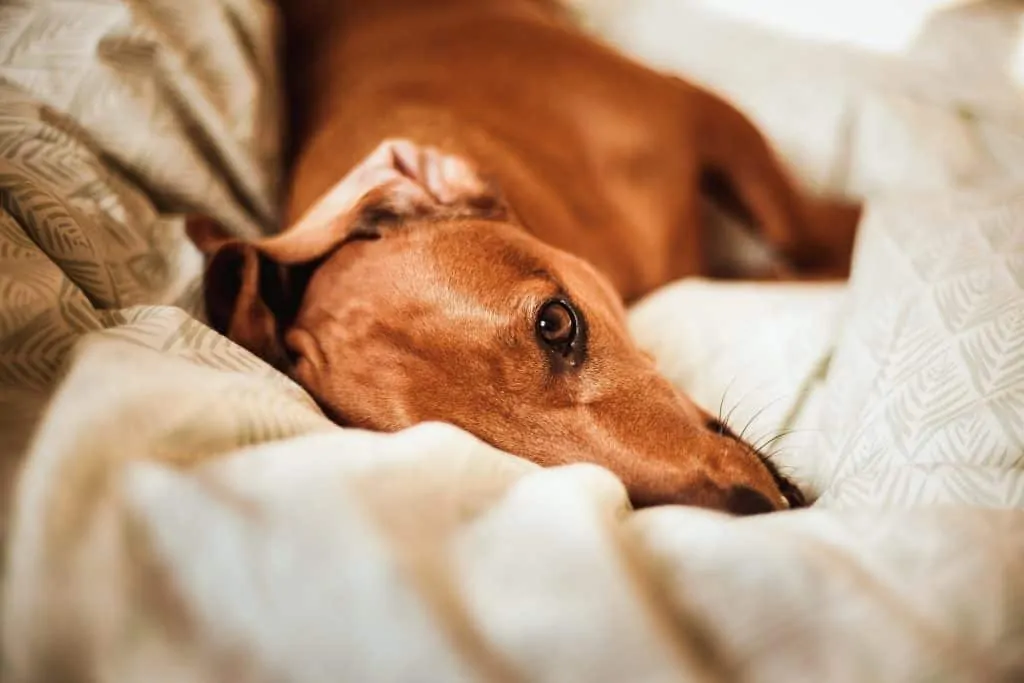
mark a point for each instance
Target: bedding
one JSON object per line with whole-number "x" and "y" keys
{"x": 177, "y": 510}
{"x": 936, "y": 105}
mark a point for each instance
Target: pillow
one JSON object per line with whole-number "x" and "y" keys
{"x": 105, "y": 109}
{"x": 924, "y": 400}
{"x": 934, "y": 105}
{"x": 181, "y": 95}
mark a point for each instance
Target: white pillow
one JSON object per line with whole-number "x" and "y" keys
{"x": 925, "y": 395}
{"x": 900, "y": 94}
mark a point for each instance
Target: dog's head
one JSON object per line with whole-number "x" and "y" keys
{"x": 409, "y": 293}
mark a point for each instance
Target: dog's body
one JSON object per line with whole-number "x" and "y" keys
{"x": 597, "y": 155}
{"x": 535, "y": 180}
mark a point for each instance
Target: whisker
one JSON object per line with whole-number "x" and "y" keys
{"x": 757, "y": 415}
{"x": 777, "y": 452}
{"x": 790, "y": 432}
{"x": 721, "y": 403}
{"x": 781, "y": 435}
{"x": 728, "y": 416}
{"x": 783, "y": 469}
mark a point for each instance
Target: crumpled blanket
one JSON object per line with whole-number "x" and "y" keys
{"x": 339, "y": 554}
{"x": 177, "y": 510}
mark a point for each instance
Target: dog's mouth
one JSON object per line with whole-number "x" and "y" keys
{"x": 791, "y": 492}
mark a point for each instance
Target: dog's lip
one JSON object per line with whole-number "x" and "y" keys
{"x": 790, "y": 495}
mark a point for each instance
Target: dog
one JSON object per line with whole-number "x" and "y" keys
{"x": 477, "y": 190}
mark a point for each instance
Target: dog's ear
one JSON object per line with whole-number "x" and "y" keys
{"x": 398, "y": 181}
{"x": 249, "y": 298}
{"x": 253, "y": 289}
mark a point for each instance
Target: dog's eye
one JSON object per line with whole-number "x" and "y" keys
{"x": 557, "y": 326}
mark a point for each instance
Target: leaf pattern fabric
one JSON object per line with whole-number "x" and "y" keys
{"x": 926, "y": 396}
{"x": 175, "y": 509}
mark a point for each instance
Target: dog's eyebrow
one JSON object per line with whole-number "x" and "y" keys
{"x": 559, "y": 288}
{"x": 544, "y": 274}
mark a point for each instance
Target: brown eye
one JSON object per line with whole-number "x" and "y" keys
{"x": 557, "y": 326}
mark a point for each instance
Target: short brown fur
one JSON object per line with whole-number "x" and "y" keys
{"x": 491, "y": 158}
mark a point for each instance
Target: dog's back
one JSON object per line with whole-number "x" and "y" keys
{"x": 591, "y": 150}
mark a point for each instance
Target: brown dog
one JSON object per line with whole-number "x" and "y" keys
{"x": 476, "y": 188}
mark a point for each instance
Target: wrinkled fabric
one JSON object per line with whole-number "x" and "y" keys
{"x": 136, "y": 554}
{"x": 175, "y": 509}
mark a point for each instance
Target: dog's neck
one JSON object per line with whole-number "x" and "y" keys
{"x": 305, "y": 19}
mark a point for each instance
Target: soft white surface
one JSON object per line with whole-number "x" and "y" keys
{"x": 944, "y": 108}
{"x": 137, "y": 556}
{"x": 926, "y": 392}
{"x": 186, "y": 513}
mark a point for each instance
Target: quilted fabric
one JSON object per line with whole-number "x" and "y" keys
{"x": 184, "y": 512}
{"x": 176, "y": 93}
{"x": 926, "y": 390}
{"x": 100, "y": 103}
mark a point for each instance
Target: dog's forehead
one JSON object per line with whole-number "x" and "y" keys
{"x": 485, "y": 253}
{"x": 468, "y": 245}
{"x": 486, "y": 271}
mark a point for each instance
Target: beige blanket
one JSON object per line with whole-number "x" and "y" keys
{"x": 185, "y": 513}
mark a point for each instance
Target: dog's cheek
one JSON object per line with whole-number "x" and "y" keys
{"x": 370, "y": 395}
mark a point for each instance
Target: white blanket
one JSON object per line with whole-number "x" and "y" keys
{"x": 184, "y": 512}
{"x": 429, "y": 556}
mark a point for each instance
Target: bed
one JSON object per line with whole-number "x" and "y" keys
{"x": 307, "y": 552}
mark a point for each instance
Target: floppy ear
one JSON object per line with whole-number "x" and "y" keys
{"x": 253, "y": 290}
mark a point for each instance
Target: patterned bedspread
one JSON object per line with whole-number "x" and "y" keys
{"x": 174, "y": 509}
